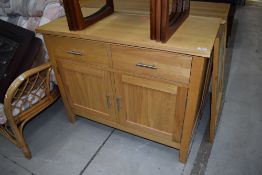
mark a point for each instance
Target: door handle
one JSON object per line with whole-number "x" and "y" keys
{"x": 118, "y": 103}
{"x": 74, "y": 52}
{"x": 109, "y": 102}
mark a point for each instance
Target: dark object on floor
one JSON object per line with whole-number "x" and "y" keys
{"x": 19, "y": 47}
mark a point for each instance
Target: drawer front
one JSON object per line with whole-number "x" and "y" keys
{"x": 79, "y": 50}
{"x": 164, "y": 65}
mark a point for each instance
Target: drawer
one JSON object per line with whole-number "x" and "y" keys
{"x": 79, "y": 50}
{"x": 164, "y": 65}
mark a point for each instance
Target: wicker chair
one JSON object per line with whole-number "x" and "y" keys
{"x": 28, "y": 95}
{"x": 34, "y": 90}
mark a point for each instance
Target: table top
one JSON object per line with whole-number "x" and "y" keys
{"x": 195, "y": 36}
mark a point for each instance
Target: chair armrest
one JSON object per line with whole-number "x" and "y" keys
{"x": 24, "y": 85}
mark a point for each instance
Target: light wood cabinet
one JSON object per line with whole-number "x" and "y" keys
{"x": 197, "y": 8}
{"x": 127, "y": 81}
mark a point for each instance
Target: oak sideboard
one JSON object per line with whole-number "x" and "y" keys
{"x": 114, "y": 74}
{"x": 197, "y": 8}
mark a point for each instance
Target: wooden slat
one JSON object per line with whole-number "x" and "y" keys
{"x": 160, "y": 86}
{"x": 75, "y": 66}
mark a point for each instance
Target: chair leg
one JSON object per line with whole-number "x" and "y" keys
{"x": 21, "y": 141}
{"x": 15, "y": 136}
{"x": 26, "y": 150}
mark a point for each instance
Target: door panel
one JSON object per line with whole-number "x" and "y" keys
{"x": 150, "y": 106}
{"x": 88, "y": 89}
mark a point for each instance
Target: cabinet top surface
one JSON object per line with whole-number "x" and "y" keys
{"x": 195, "y": 36}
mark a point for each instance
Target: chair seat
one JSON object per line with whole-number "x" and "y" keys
{"x": 24, "y": 103}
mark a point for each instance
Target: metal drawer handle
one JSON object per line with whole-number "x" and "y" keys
{"x": 146, "y": 66}
{"x": 74, "y": 52}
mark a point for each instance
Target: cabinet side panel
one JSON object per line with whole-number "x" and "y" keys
{"x": 199, "y": 66}
{"x": 50, "y": 45}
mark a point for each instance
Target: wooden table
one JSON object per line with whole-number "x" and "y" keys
{"x": 114, "y": 74}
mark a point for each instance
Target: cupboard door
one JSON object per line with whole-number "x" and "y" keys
{"x": 150, "y": 106}
{"x": 89, "y": 90}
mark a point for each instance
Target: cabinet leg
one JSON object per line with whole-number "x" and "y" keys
{"x": 71, "y": 117}
{"x": 183, "y": 154}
